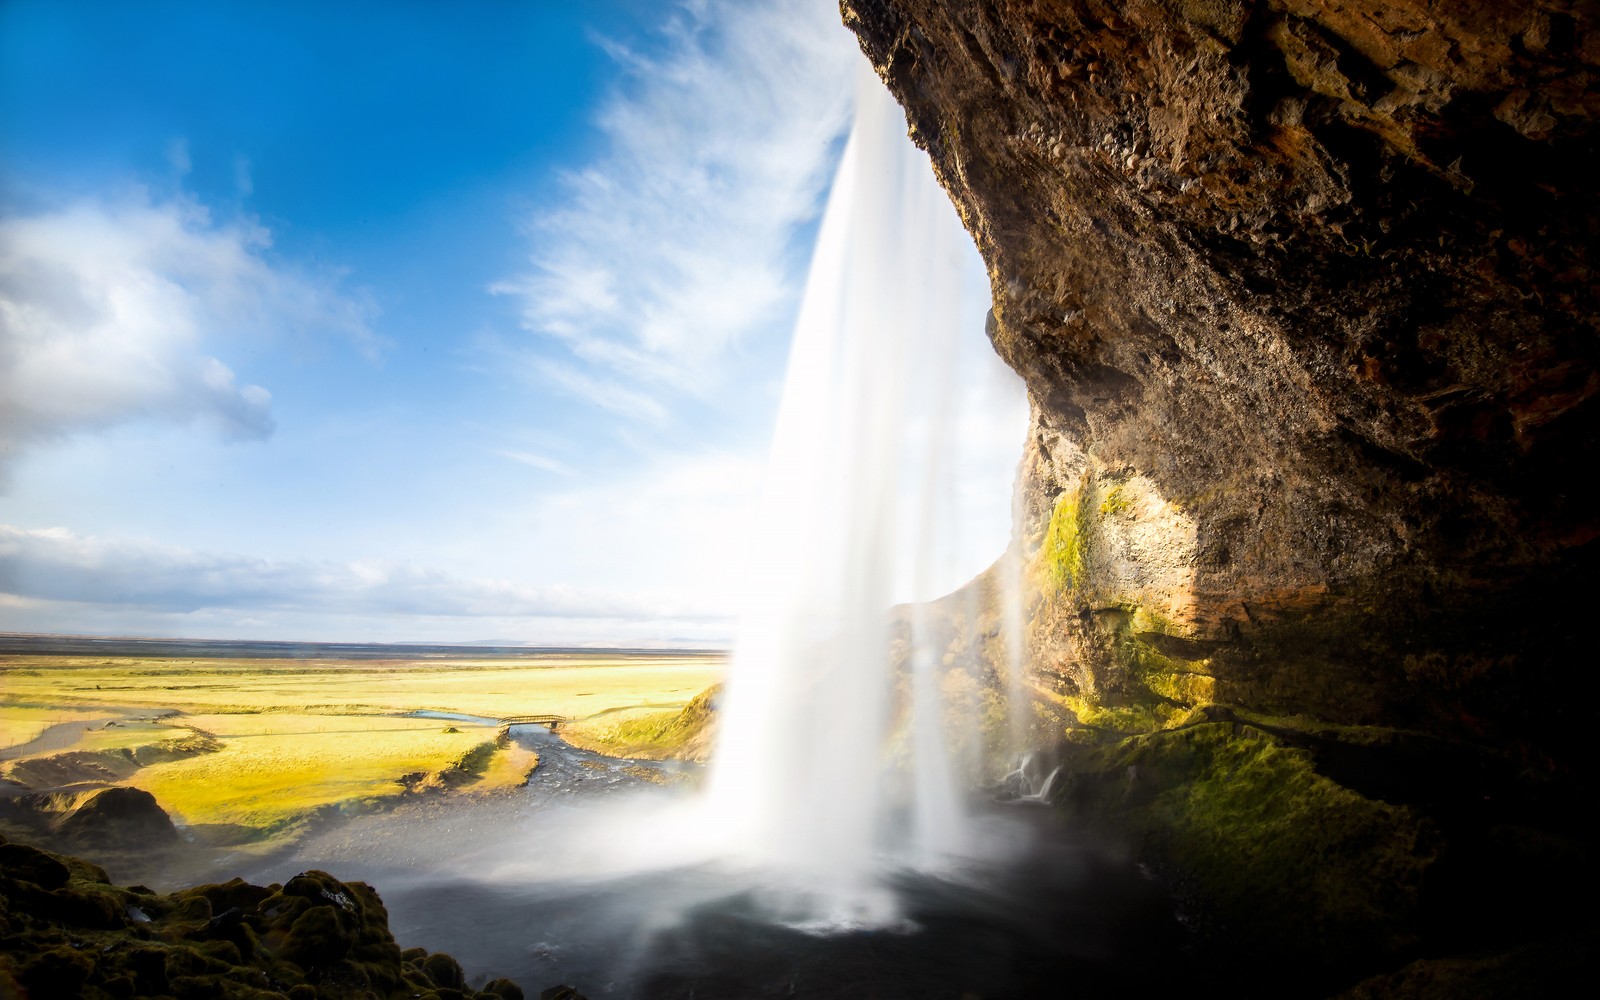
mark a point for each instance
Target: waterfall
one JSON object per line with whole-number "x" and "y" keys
{"x": 1009, "y": 585}
{"x": 858, "y": 486}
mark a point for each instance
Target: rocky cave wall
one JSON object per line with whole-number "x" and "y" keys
{"x": 1302, "y": 293}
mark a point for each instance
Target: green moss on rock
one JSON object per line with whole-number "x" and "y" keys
{"x": 1181, "y": 687}
{"x": 1277, "y": 860}
{"x": 1125, "y": 716}
{"x": 1064, "y": 541}
{"x": 1117, "y": 501}
{"x": 503, "y": 989}
{"x": 65, "y": 930}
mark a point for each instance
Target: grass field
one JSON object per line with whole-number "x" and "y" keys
{"x": 274, "y": 768}
{"x": 259, "y": 747}
{"x": 571, "y": 685}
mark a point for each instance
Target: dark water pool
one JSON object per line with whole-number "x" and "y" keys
{"x": 519, "y": 886}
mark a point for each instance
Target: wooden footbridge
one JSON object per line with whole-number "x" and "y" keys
{"x": 547, "y": 721}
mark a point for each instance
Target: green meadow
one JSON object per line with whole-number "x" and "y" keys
{"x": 250, "y": 750}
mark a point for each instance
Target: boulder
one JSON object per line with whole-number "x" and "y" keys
{"x": 120, "y": 817}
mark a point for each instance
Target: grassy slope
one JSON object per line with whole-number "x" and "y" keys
{"x": 685, "y": 734}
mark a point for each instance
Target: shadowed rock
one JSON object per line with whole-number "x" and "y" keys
{"x": 121, "y": 817}
{"x": 65, "y": 930}
{"x": 1304, "y": 296}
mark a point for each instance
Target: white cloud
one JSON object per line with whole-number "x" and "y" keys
{"x": 109, "y": 312}
{"x": 606, "y": 393}
{"x": 675, "y": 244}
{"x": 59, "y": 565}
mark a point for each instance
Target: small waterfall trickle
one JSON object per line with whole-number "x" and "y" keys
{"x": 857, "y": 487}
{"x": 1033, "y": 779}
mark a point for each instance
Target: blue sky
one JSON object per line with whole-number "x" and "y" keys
{"x": 401, "y": 321}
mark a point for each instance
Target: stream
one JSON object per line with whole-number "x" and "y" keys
{"x": 65, "y": 735}
{"x": 584, "y": 879}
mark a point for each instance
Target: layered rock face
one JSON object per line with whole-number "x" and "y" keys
{"x": 1303, "y": 294}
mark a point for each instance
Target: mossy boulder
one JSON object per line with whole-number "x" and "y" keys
{"x": 444, "y": 971}
{"x": 504, "y": 989}
{"x": 19, "y": 861}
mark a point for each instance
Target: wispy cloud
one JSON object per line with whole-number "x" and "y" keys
{"x": 675, "y": 244}
{"x": 243, "y": 179}
{"x": 178, "y": 156}
{"x": 110, "y": 309}
{"x": 537, "y": 461}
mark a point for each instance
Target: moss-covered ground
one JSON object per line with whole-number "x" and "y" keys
{"x": 1276, "y": 862}
{"x": 1317, "y": 856}
{"x": 66, "y": 931}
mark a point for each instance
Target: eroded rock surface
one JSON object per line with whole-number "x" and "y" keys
{"x": 1303, "y": 295}
{"x": 1302, "y": 291}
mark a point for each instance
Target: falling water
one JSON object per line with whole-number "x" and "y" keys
{"x": 1013, "y": 634}
{"x": 857, "y": 483}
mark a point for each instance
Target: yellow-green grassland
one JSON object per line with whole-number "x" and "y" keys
{"x": 253, "y": 752}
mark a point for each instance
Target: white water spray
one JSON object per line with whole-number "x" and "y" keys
{"x": 856, "y": 489}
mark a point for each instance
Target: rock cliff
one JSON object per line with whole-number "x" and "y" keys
{"x": 1302, "y": 291}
